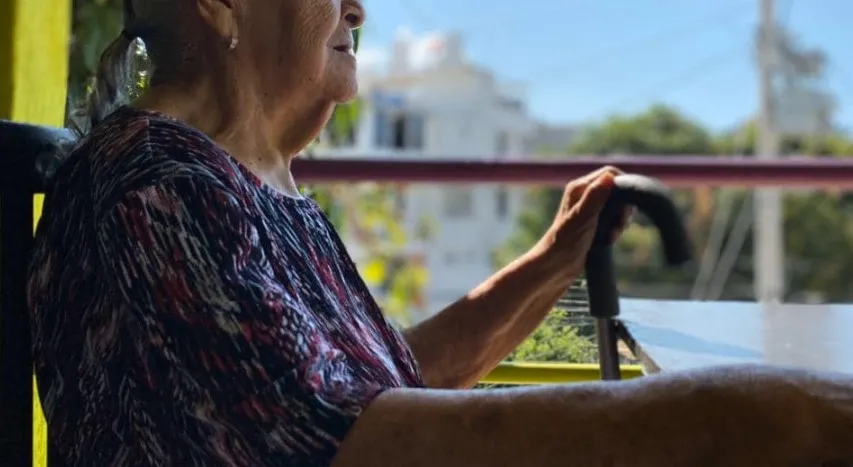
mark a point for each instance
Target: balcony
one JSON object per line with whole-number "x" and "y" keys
{"x": 658, "y": 335}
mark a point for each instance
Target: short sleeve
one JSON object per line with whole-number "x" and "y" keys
{"x": 219, "y": 333}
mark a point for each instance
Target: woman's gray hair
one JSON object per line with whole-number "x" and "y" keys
{"x": 114, "y": 81}
{"x": 120, "y": 75}
{"x": 150, "y": 48}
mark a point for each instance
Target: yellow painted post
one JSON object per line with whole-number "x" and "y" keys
{"x": 34, "y": 37}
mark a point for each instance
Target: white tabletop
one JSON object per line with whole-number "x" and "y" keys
{"x": 678, "y": 335}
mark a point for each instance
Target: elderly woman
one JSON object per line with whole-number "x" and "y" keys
{"x": 191, "y": 308}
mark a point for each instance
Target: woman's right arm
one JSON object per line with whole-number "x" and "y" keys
{"x": 733, "y": 416}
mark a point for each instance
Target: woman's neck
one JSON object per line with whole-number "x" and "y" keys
{"x": 242, "y": 125}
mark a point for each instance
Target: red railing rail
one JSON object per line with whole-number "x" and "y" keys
{"x": 675, "y": 171}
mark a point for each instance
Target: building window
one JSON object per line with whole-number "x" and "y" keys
{"x": 382, "y": 130}
{"x": 501, "y": 202}
{"x": 399, "y": 130}
{"x": 458, "y": 202}
{"x": 502, "y": 144}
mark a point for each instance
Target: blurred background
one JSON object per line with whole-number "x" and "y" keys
{"x": 490, "y": 80}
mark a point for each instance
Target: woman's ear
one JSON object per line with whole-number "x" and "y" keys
{"x": 219, "y": 15}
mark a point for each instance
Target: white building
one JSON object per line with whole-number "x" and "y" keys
{"x": 431, "y": 102}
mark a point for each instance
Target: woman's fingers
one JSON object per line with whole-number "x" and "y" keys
{"x": 584, "y": 197}
{"x": 606, "y": 170}
{"x": 594, "y": 197}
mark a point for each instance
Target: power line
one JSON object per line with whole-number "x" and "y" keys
{"x": 696, "y": 25}
{"x": 713, "y": 275}
{"x": 719, "y": 229}
{"x": 716, "y": 239}
{"x": 728, "y": 258}
{"x": 688, "y": 76}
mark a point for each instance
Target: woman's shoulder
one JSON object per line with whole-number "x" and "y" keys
{"x": 136, "y": 149}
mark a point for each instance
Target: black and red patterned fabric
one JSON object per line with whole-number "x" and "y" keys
{"x": 186, "y": 314}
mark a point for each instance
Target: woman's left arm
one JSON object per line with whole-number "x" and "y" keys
{"x": 465, "y": 341}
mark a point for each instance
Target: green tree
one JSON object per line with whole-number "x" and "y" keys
{"x": 557, "y": 339}
{"x": 659, "y": 130}
{"x": 817, "y": 224}
{"x": 369, "y": 215}
{"x": 743, "y": 141}
{"x": 95, "y": 23}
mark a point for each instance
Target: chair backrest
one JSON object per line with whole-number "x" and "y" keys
{"x": 29, "y": 155}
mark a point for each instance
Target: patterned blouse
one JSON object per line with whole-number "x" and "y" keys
{"x": 186, "y": 314}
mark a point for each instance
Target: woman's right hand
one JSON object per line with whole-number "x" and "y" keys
{"x": 570, "y": 235}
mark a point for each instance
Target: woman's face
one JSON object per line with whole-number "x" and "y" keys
{"x": 301, "y": 46}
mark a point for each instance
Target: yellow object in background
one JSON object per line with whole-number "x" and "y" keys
{"x": 34, "y": 36}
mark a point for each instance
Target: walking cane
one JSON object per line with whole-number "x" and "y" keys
{"x": 651, "y": 198}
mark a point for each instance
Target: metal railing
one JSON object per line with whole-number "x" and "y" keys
{"x": 675, "y": 171}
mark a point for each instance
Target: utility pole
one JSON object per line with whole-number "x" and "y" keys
{"x": 769, "y": 252}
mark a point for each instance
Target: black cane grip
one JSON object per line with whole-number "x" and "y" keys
{"x": 650, "y": 197}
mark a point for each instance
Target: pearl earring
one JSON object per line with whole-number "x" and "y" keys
{"x": 234, "y": 42}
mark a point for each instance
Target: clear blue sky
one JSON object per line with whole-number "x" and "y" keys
{"x": 585, "y": 59}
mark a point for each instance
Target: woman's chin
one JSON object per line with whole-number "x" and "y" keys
{"x": 347, "y": 92}
{"x": 342, "y": 87}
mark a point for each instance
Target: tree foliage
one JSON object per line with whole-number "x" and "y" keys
{"x": 659, "y": 130}
{"x": 818, "y": 225}
{"x": 556, "y": 340}
{"x": 368, "y": 215}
